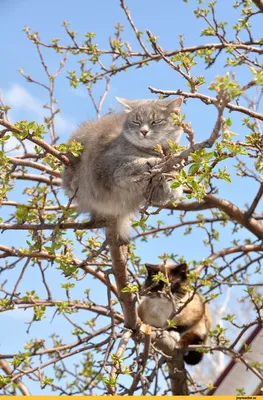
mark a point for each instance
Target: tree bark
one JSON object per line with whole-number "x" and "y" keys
{"x": 259, "y": 4}
{"x": 21, "y": 386}
{"x": 119, "y": 266}
{"x": 168, "y": 344}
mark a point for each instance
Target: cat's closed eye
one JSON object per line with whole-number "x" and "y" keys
{"x": 136, "y": 122}
{"x": 157, "y": 121}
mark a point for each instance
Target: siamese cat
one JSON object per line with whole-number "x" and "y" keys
{"x": 193, "y": 322}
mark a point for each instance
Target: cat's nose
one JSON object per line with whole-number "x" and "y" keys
{"x": 144, "y": 132}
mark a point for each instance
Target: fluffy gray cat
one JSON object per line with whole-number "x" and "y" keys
{"x": 110, "y": 177}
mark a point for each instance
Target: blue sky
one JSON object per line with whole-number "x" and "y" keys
{"x": 166, "y": 19}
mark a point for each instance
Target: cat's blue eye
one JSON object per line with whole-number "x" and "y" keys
{"x": 136, "y": 122}
{"x": 157, "y": 121}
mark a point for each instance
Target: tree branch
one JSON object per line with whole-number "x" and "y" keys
{"x": 32, "y": 164}
{"x": 236, "y": 214}
{"x": 168, "y": 165}
{"x": 119, "y": 266}
{"x": 207, "y": 100}
{"x": 41, "y": 143}
{"x": 119, "y": 353}
{"x": 49, "y": 180}
{"x": 259, "y": 4}
{"x": 21, "y": 386}
{"x": 168, "y": 344}
{"x": 255, "y": 202}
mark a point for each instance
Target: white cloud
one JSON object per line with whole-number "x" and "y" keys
{"x": 20, "y": 314}
{"x": 28, "y": 107}
{"x": 79, "y": 91}
{"x": 20, "y": 99}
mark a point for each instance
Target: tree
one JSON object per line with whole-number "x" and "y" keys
{"x": 106, "y": 349}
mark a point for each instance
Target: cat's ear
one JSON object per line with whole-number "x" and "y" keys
{"x": 181, "y": 269}
{"x": 128, "y": 104}
{"x": 174, "y": 105}
{"x": 151, "y": 268}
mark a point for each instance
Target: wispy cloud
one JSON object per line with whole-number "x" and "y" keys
{"x": 20, "y": 314}
{"x": 26, "y": 106}
{"x": 20, "y": 99}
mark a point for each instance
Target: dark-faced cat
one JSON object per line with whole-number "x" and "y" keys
{"x": 111, "y": 176}
{"x": 194, "y": 320}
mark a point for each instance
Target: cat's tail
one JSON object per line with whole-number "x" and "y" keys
{"x": 123, "y": 224}
{"x": 192, "y": 357}
{"x": 118, "y": 227}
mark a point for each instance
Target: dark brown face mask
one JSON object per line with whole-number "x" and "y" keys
{"x": 175, "y": 274}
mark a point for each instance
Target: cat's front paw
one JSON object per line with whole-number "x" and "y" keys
{"x": 162, "y": 193}
{"x": 175, "y": 335}
{"x": 152, "y": 162}
{"x": 123, "y": 241}
{"x": 173, "y": 194}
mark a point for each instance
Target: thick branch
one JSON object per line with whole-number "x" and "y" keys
{"x": 119, "y": 265}
{"x": 259, "y": 4}
{"x": 42, "y": 227}
{"x": 248, "y": 248}
{"x": 167, "y": 342}
{"x": 233, "y": 212}
{"x": 236, "y": 214}
{"x": 187, "y": 206}
{"x": 21, "y": 386}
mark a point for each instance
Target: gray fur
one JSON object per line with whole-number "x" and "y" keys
{"x": 108, "y": 178}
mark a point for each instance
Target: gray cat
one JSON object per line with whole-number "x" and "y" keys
{"x": 110, "y": 177}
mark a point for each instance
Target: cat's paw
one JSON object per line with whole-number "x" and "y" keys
{"x": 175, "y": 335}
{"x": 152, "y": 162}
{"x": 173, "y": 194}
{"x": 158, "y": 195}
{"x": 123, "y": 241}
{"x": 163, "y": 193}
{"x": 96, "y": 222}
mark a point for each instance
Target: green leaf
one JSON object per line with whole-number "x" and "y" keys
{"x": 194, "y": 168}
{"x": 130, "y": 288}
{"x": 171, "y": 324}
{"x": 175, "y": 185}
{"x": 228, "y": 122}
{"x": 159, "y": 277}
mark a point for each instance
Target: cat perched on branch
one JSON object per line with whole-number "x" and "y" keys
{"x": 111, "y": 176}
{"x": 169, "y": 299}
